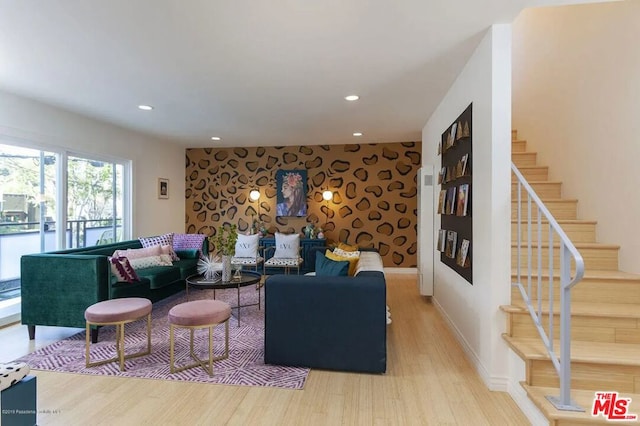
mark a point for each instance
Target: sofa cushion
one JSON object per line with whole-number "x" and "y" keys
{"x": 187, "y": 267}
{"x": 160, "y": 240}
{"x": 122, "y": 269}
{"x": 369, "y": 261}
{"x": 160, "y": 276}
{"x": 330, "y": 268}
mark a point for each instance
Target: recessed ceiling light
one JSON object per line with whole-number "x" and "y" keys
{"x": 357, "y": 133}
{"x": 352, "y": 97}
{"x": 145, "y": 107}
{"x": 215, "y": 138}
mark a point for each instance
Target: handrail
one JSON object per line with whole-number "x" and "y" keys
{"x": 568, "y": 252}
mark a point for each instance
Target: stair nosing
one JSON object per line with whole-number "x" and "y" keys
{"x": 577, "y": 245}
{"x": 578, "y": 351}
{"x": 596, "y": 274}
{"x": 582, "y": 309}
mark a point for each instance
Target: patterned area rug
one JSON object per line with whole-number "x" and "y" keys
{"x": 245, "y": 365}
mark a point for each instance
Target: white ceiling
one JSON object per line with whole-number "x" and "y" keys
{"x": 259, "y": 72}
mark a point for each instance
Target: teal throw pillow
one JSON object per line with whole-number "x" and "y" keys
{"x": 188, "y": 254}
{"x": 330, "y": 268}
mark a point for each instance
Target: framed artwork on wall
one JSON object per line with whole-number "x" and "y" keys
{"x": 291, "y": 193}
{"x": 163, "y": 188}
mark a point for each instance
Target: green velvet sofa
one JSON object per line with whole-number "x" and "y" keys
{"x": 58, "y": 286}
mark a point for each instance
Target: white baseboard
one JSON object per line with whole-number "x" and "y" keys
{"x": 528, "y": 408}
{"x": 471, "y": 355}
{"x": 493, "y": 383}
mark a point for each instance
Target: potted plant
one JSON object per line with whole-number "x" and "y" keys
{"x": 224, "y": 242}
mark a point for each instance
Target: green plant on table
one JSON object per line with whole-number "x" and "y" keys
{"x": 225, "y": 239}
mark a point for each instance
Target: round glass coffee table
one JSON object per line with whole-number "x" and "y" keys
{"x": 247, "y": 278}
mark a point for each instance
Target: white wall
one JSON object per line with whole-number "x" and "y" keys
{"x": 576, "y": 100}
{"x": 37, "y": 123}
{"x": 472, "y": 310}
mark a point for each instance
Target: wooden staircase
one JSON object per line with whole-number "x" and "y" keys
{"x": 605, "y": 328}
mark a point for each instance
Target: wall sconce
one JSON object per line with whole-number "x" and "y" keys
{"x": 327, "y": 196}
{"x": 254, "y": 195}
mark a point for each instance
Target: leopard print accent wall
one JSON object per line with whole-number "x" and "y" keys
{"x": 374, "y": 192}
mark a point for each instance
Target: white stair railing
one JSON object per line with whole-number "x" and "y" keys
{"x": 570, "y": 259}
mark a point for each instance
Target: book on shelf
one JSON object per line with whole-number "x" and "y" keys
{"x": 449, "y": 176}
{"x": 450, "y": 245}
{"x": 463, "y": 200}
{"x": 463, "y": 162}
{"x": 459, "y": 131}
{"x": 459, "y": 169}
{"x": 452, "y": 136}
{"x": 440, "y": 147}
{"x": 441, "y": 201}
{"x": 462, "y": 259}
{"x": 451, "y": 200}
{"x": 442, "y": 236}
{"x": 442, "y": 175}
{"x": 465, "y": 131}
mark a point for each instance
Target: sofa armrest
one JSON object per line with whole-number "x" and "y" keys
{"x": 57, "y": 288}
{"x": 336, "y": 323}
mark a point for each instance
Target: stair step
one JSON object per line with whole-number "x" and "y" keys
{"x": 583, "y": 398}
{"x": 594, "y": 365}
{"x": 590, "y": 321}
{"x": 561, "y": 209}
{"x": 518, "y": 146}
{"x": 523, "y": 159}
{"x": 595, "y": 255}
{"x": 579, "y": 231}
{"x": 596, "y": 286}
{"x": 533, "y": 173}
{"x": 544, "y": 190}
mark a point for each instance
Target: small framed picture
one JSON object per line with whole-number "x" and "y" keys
{"x": 163, "y": 188}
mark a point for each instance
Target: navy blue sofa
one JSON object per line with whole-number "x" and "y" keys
{"x": 332, "y": 323}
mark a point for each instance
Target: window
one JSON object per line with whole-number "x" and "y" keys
{"x": 53, "y": 200}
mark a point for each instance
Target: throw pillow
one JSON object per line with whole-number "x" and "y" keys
{"x": 160, "y": 240}
{"x": 347, "y": 247}
{"x": 138, "y": 253}
{"x": 330, "y": 268}
{"x": 345, "y": 253}
{"x": 287, "y": 246}
{"x": 188, "y": 242}
{"x": 151, "y": 261}
{"x": 188, "y": 254}
{"x": 122, "y": 269}
{"x": 247, "y": 245}
{"x": 353, "y": 261}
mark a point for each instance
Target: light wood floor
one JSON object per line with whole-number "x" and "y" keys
{"x": 428, "y": 382}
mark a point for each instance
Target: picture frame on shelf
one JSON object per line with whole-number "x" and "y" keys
{"x": 163, "y": 189}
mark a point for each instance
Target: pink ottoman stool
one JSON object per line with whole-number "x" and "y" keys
{"x": 195, "y": 315}
{"x": 118, "y": 312}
